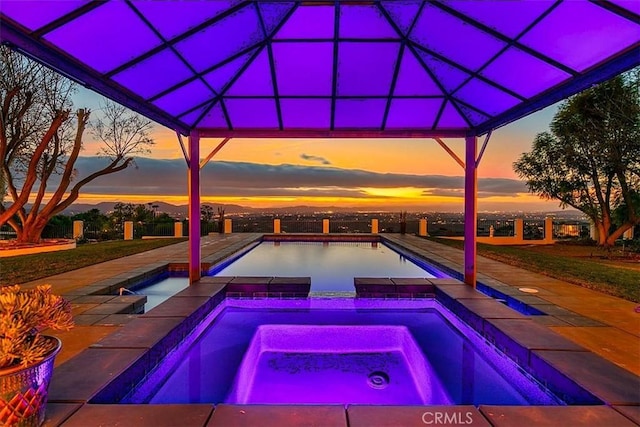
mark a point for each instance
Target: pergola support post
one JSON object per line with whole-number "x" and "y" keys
{"x": 194, "y": 206}
{"x": 470, "y": 209}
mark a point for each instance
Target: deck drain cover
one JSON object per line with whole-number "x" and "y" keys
{"x": 378, "y": 379}
{"x": 528, "y": 290}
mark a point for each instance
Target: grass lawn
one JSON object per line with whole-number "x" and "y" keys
{"x": 25, "y": 268}
{"x": 586, "y": 266}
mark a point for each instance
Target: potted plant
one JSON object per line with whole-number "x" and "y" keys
{"x": 27, "y": 356}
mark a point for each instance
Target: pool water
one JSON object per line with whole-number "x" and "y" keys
{"x": 158, "y": 291}
{"x": 331, "y": 265}
{"x": 317, "y": 350}
{"x": 334, "y": 364}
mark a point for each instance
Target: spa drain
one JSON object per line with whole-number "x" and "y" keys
{"x": 378, "y": 379}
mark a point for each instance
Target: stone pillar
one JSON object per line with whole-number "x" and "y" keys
{"x": 548, "y": 230}
{"x": 276, "y": 226}
{"x": 492, "y": 230}
{"x": 228, "y": 229}
{"x": 128, "y": 230}
{"x": 374, "y": 226}
{"x": 177, "y": 229}
{"x": 518, "y": 225}
{"x": 78, "y": 229}
{"x": 422, "y": 228}
{"x": 325, "y": 226}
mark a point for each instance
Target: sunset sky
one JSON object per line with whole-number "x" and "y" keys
{"x": 412, "y": 174}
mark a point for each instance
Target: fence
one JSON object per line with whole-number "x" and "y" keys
{"x": 533, "y": 229}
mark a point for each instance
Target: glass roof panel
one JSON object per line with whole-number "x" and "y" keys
{"x": 523, "y": 73}
{"x": 105, "y": 23}
{"x": 191, "y": 117}
{"x": 251, "y": 113}
{"x": 360, "y": 113}
{"x": 474, "y": 116}
{"x": 358, "y": 21}
{"x": 214, "y": 118}
{"x": 450, "y": 77}
{"x": 470, "y": 47}
{"x": 255, "y": 80}
{"x": 413, "y": 79}
{"x": 402, "y": 12}
{"x": 510, "y": 18}
{"x": 485, "y": 97}
{"x": 366, "y": 68}
{"x": 221, "y": 76}
{"x": 47, "y": 11}
{"x": 309, "y": 22}
{"x": 184, "y": 98}
{"x": 451, "y": 118}
{"x": 172, "y": 18}
{"x": 136, "y": 78}
{"x": 310, "y": 113}
{"x": 222, "y": 40}
{"x": 581, "y": 43}
{"x": 313, "y": 76}
{"x": 413, "y": 113}
{"x": 274, "y": 13}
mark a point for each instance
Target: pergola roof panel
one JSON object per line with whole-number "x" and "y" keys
{"x": 184, "y": 98}
{"x": 222, "y": 39}
{"x": 105, "y": 23}
{"x": 413, "y": 79}
{"x": 221, "y": 76}
{"x": 365, "y": 22}
{"x": 471, "y": 47}
{"x": 48, "y": 11}
{"x": 172, "y": 19}
{"x": 312, "y": 77}
{"x": 523, "y": 73}
{"x": 174, "y": 71}
{"x": 310, "y": 22}
{"x": 580, "y": 34}
{"x": 252, "y": 113}
{"x": 270, "y": 66}
{"x": 295, "y": 113}
{"x": 255, "y": 80}
{"x": 511, "y": 18}
{"x": 413, "y": 113}
{"x": 366, "y": 69}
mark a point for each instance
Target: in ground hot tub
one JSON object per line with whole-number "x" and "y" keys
{"x": 332, "y": 364}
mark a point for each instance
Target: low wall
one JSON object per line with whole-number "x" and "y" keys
{"x": 58, "y": 245}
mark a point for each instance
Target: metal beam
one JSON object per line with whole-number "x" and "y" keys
{"x": 450, "y": 151}
{"x": 213, "y": 152}
{"x": 470, "y": 210}
{"x": 184, "y": 150}
{"x": 317, "y": 133}
{"x": 484, "y": 147}
{"x": 194, "y": 206}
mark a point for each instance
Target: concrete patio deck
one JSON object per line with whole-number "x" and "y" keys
{"x": 605, "y": 325}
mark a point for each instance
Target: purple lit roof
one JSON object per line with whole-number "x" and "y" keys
{"x": 286, "y": 68}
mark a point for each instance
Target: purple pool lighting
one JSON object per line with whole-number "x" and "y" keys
{"x": 334, "y": 351}
{"x": 380, "y": 365}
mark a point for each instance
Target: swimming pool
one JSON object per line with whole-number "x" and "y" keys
{"x": 331, "y": 265}
{"x": 336, "y": 351}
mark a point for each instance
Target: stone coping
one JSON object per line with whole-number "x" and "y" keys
{"x": 552, "y": 358}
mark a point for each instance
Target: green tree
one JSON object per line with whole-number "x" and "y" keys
{"x": 590, "y": 158}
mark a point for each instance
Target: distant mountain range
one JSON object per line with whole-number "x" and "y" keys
{"x": 231, "y": 209}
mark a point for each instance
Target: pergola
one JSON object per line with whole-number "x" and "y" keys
{"x": 323, "y": 69}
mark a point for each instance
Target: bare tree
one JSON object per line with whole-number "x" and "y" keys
{"x": 39, "y": 139}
